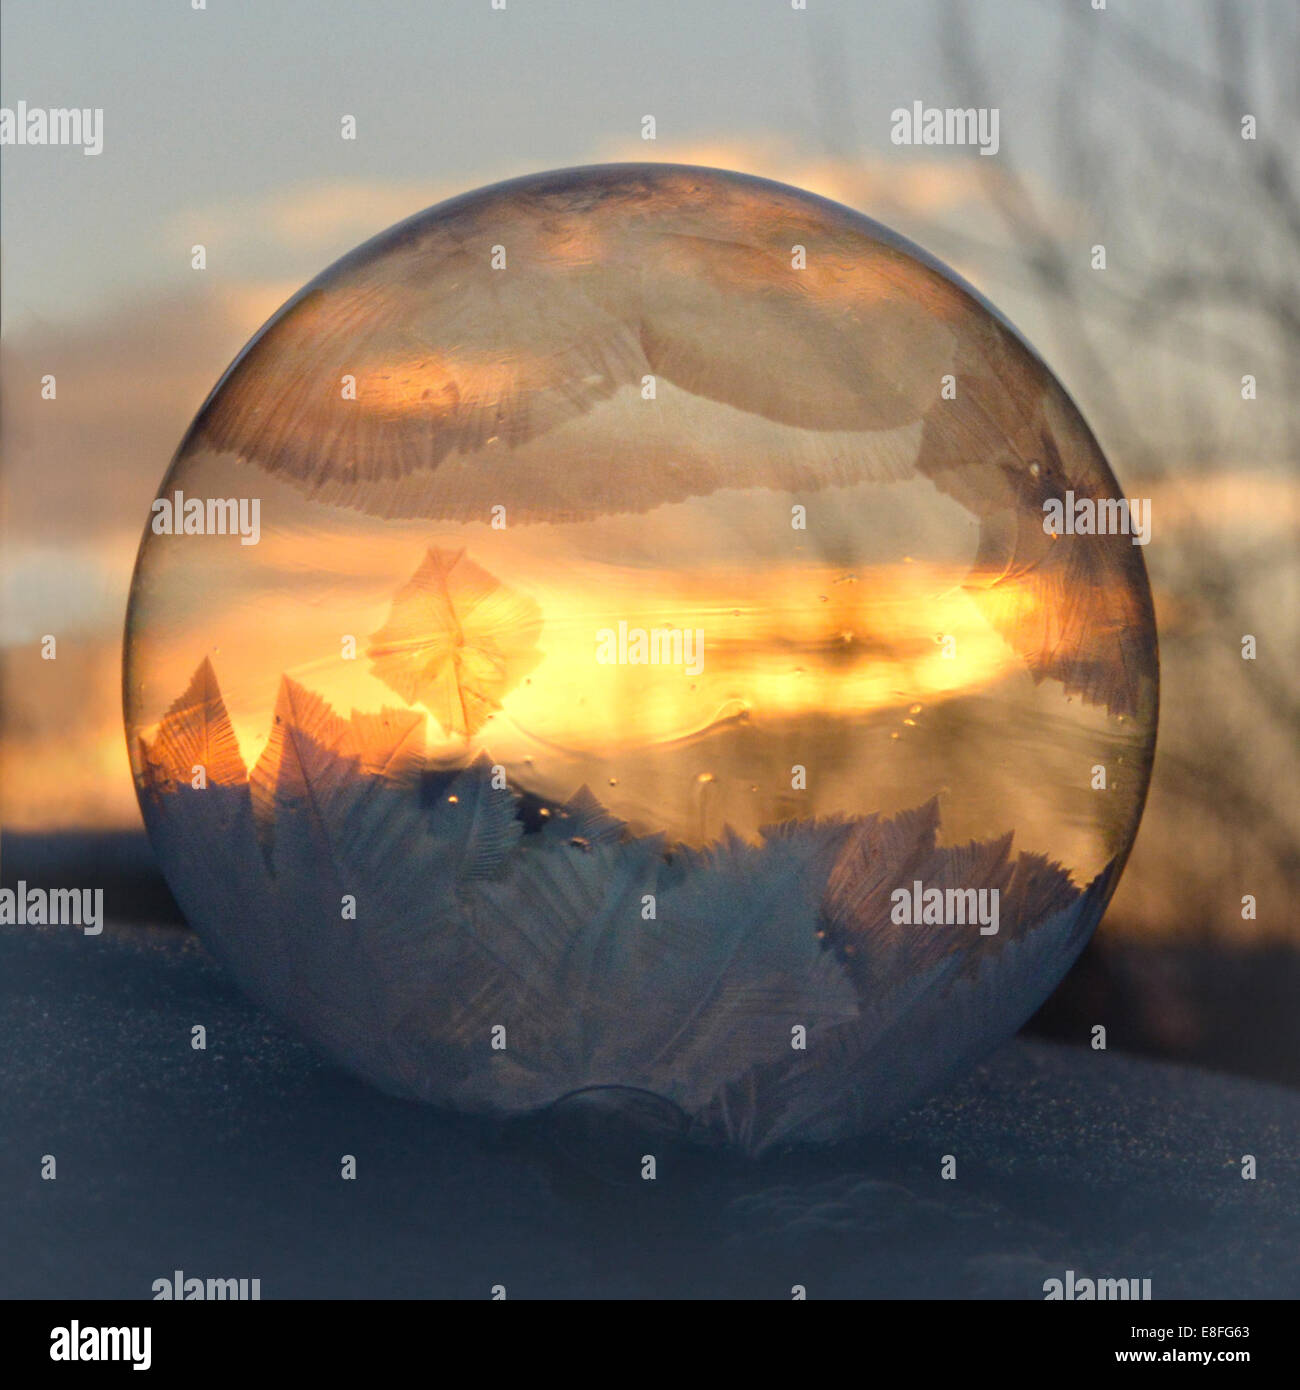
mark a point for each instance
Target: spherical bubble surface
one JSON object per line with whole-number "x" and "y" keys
{"x": 643, "y": 631}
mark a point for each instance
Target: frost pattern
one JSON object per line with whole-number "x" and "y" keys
{"x": 465, "y": 920}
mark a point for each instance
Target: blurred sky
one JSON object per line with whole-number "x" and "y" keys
{"x": 215, "y": 119}
{"x": 213, "y": 116}
{"x": 222, "y": 126}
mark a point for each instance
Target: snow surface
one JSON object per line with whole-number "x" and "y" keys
{"x": 226, "y": 1162}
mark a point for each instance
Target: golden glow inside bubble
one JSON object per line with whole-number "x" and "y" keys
{"x": 656, "y": 525}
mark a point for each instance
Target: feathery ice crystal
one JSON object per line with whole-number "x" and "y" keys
{"x": 653, "y": 669}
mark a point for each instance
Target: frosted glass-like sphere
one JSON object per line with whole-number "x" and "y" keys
{"x": 635, "y": 627}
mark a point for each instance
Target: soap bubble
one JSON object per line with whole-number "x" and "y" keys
{"x": 636, "y": 631}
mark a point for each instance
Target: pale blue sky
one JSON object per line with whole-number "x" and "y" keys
{"x": 245, "y": 98}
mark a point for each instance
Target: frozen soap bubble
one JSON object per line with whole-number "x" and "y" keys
{"x": 614, "y": 634}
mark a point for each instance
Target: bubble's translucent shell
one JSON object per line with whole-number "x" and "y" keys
{"x": 707, "y": 494}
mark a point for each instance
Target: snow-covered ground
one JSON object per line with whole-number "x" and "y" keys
{"x": 226, "y": 1163}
